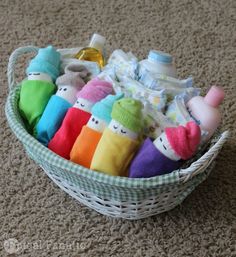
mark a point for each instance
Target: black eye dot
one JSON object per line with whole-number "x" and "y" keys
{"x": 30, "y": 74}
{"x": 96, "y": 122}
{"x": 77, "y": 102}
{"x": 93, "y": 119}
{"x": 164, "y": 147}
{"x": 64, "y": 88}
{"x": 160, "y": 139}
{"x": 122, "y": 131}
{"x": 151, "y": 129}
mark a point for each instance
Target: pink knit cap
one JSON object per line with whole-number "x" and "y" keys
{"x": 184, "y": 140}
{"x": 95, "y": 90}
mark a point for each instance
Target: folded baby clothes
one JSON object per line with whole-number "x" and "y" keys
{"x": 135, "y": 89}
{"x": 86, "y": 143}
{"x": 69, "y": 85}
{"x": 78, "y": 116}
{"x": 157, "y": 81}
{"x": 177, "y": 111}
{"x": 38, "y": 88}
{"x": 123, "y": 64}
{"x": 155, "y": 122}
{"x": 119, "y": 143}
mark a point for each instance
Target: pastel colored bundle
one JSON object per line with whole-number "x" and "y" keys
{"x": 69, "y": 85}
{"x": 119, "y": 143}
{"x": 78, "y": 116}
{"x": 86, "y": 143}
{"x": 37, "y": 90}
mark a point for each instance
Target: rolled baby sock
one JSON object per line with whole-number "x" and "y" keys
{"x": 64, "y": 138}
{"x": 166, "y": 153}
{"x": 34, "y": 97}
{"x": 119, "y": 143}
{"x": 85, "y": 146}
{"x": 38, "y": 88}
{"x": 52, "y": 118}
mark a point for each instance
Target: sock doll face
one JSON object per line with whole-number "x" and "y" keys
{"x": 39, "y": 76}
{"x": 97, "y": 124}
{"x": 83, "y": 104}
{"x": 68, "y": 93}
{"x": 163, "y": 145}
{"x": 119, "y": 129}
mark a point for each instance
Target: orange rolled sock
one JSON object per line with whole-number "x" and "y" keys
{"x": 84, "y": 147}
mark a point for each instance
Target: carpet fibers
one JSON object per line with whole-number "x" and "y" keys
{"x": 44, "y": 220}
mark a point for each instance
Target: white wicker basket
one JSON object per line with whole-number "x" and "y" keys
{"x": 113, "y": 196}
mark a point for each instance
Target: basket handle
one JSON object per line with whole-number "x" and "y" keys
{"x": 202, "y": 163}
{"x": 12, "y": 62}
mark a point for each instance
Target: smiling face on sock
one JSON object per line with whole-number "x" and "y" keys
{"x": 83, "y": 104}
{"x": 97, "y": 124}
{"x": 68, "y": 93}
{"x": 163, "y": 145}
{"x": 119, "y": 129}
{"x": 39, "y": 76}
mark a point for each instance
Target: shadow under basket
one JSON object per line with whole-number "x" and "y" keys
{"x": 121, "y": 197}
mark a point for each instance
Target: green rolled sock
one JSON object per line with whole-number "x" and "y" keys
{"x": 34, "y": 96}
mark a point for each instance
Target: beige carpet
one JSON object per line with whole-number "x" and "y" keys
{"x": 46, "y": 221}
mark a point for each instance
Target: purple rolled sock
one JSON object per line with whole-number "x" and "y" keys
{"x": 150, "y": 162}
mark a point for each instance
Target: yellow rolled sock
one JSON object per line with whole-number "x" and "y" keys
{"x": 114, "y": 154}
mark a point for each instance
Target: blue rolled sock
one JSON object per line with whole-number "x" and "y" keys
{"x": 51, "y": 119}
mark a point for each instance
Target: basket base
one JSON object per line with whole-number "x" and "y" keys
{"x": 116, "y": 209}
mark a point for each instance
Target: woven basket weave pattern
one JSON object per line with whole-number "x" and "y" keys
{"x": 114, "y": 196}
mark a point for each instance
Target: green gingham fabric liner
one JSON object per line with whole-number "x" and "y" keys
{"x": 100, "y": 184}
{"x": 175, "y": 191}
{"x": 102, "y": 190}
